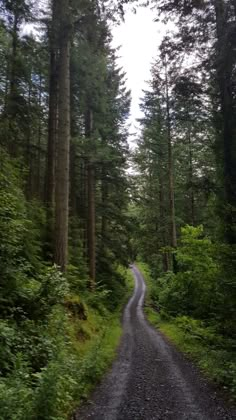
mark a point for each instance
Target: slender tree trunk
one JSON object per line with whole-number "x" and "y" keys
{"x": 75, "y": 186}
{"x": 6, "y": 87}
{"x": 73, "y": 183}
{"x": 50, "y": 181}
{"x": 38, "y": 180}
{"x": 28, "y": 152}
{"x": 63, "y": 148}
{"x": 170, "y": 166}
{"x": 91, "y": 236}
{"x": 52, "y": 136}
{"x": 84, "y": 206}
{"x": 91, "y": 225}
{"x": 104, "y": 201}
{"x": 192, "y": 201}
{"x": 13, "y": 89}
{"x": 234, "y": 5}
{"x": 165, "y": 258}
{"x": 13, "y": 81}
{"x": 224, "y": 67}
{"x": 53, "y": 115}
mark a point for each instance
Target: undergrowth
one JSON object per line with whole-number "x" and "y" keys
{"x": 79, "y": 341}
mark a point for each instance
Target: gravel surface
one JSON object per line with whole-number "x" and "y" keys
{"x": 150, "y": 379}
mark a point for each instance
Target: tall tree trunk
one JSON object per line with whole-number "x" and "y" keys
{"x": 52, "y": 135}
{"x": 50, "y": 181}
{"x": 53, "y": 113}
{"x": 6, "y": 90}
{"x": 173, "y": 237}
{"x": 104, "y": 188}
{"x": 38, "y": 179}
{"x": 13, "y": 91}
{"x": 224, "y": 67}
{"x": 73, "y": 182}
{"x": 84, "y": 206}
{"x": 91, "y": 227}
{"x": 63, "y": 147}
{"x": 75, "y": 185}
{"x": 192, "y": 201}
{"x": 165, "y": 257}
{"x": 29, "y": 192}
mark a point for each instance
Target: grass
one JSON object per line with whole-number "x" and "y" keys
{"x": 214, "y": 354}
{"x": 97, "y": 342}
{"x": 83, "y": 336}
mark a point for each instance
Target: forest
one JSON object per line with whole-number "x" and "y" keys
{"x": 78, "y": 205}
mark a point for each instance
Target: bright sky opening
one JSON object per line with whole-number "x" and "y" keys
{"x": 139, "y": 37}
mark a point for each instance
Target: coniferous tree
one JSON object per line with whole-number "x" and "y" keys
{"x": 63, "y": 146}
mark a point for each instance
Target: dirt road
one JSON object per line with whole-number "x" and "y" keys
{"x": 150, "y": 379}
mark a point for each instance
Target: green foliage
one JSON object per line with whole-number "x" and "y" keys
{"x": 56, "y": 337}
{"x": 204, "y": 284}
{"x": 55, "y": 386}
{"x": 20, "y": 239}
{"x": 78, "y": 365}
{"x": 214, "y": 354}
{"x": 15, "y": 399}
{"x": 113, "y": 282}
{"x": 190, "y": 290}
{"x": 199, "y": 339}
{"x": 34, "y": 235}
{"x": 55, "y": 347}
{"x": 69, "y": 378}
{"x": 12, "y": 228}
{"x": 53, "y": 288}
{"x": 77, "y": 271}
{"x": 196, "y": 252}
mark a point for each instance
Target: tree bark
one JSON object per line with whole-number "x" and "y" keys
{"x": 104, "y": 188}
{"x": 63, "y": 147}
{"x": 38, "y": 179}
{"x": 165, "y": 257}
{"x": 13, "y": 90}
{"x": 28, "y": 152}
{"x": 192, "y": 201}
{"x": 173, "y": 237}
{"x": 91, "y": 223}
{"x": 53, "y": 114}
{"x": 224, "y": 68}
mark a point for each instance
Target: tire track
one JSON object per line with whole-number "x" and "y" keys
{"x": 150, "y": 379}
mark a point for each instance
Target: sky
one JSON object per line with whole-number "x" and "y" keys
{"x": 139, "y": 37}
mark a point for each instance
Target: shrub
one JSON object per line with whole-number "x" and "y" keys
{"x": 193, "y": 290}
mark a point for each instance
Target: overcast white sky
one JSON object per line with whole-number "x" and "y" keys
{"x": 139, "y": 37}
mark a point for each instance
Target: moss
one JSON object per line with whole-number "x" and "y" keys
{"x": 76, "y": 307}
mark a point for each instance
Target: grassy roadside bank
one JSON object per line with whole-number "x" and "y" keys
{"x": 214, "y": 354}
{"x": 79, "y": 342}
{"x": 96, "y": 345}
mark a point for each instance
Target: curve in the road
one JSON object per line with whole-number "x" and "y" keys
{"x": 150, "y": 379}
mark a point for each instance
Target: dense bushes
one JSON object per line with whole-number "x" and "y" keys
{"x": 190, "y": 306}
{"x": 12, "y": 231}
{"x": 56, "y": 337}
{"x": 198, "y": 289}
{"x": 51, "y": 357}
{"x": 77, "y": 354}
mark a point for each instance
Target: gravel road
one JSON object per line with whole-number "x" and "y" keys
{"x": 150, "y": 379}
